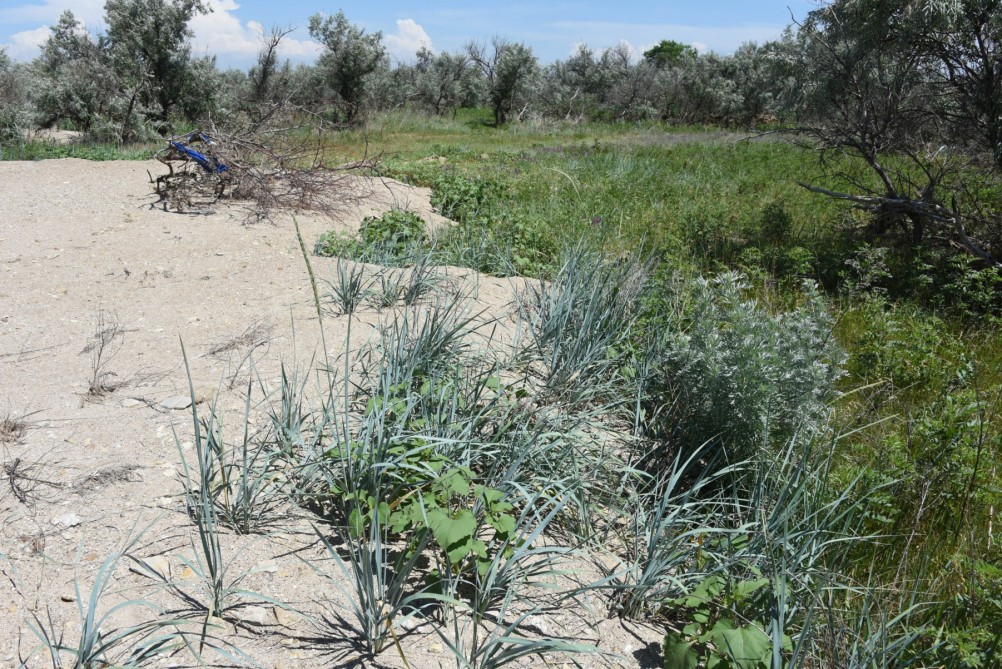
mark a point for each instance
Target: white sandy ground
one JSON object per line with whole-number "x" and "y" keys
{"x": 83, "y": 240}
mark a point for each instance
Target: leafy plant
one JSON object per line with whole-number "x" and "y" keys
{"x": 394, "y": 238}
{"x": 721, "y": 634}
{"x": 487, "y": 606}
{"x": 460, "y": 197}
{"x": 727, "y": 371}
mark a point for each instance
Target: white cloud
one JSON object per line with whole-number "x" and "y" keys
{"x": 220, "y": 32}
{"x": 700, "y": 47}
{"x": 90, "y": 12}
{"x": 410, "y": 37}
{"x": 25, "y": 44}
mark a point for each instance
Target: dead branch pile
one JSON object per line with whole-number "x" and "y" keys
{"x": 261, "y": 167}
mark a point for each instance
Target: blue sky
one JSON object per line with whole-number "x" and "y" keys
{"x": 231, "y": 32}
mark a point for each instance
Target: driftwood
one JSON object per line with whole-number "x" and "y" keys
{"x": 929, "y": 211}
{"x": 263, "y": 169}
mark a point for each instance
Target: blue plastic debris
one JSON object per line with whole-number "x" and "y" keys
{"x": 208, "y": 164}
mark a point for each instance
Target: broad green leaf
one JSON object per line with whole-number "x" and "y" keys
{"x": 384, "y": 513}
{"x": 399, "y": 520}
{"x": 503, "y": 523}
{"x": 454, "y": 535}
{"x": 455, "y": 481}
{"x": 489, "y": 495}
{"x": 678, "y": 654}
{"x": 746, "y": 647}
{"x": 356, "y": 523}
{"x": 692, "y": 629}
{"x": 744, "y": 589}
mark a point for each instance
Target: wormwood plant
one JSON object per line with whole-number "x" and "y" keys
{"x": 732, "y": 373}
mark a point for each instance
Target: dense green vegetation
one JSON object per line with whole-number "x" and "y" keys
{"x": 917, "y": 411}
{"x": 762, "y": 371}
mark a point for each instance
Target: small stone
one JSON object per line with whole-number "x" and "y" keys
{"x": 204, "y": 395}
{"x": 252, "y": 615}
{"x": 157, "y": 565}
{"x": 90, "y": 557}
{"x": 285, "y": 618}
{"x": 435, "y": 648}
{"x": 266, "y": 568}
{"x": 68, "y": 598}
{"x": 130, "y": 403}
{"x": 67, "y": 520}
{"x": 177, "y": 402}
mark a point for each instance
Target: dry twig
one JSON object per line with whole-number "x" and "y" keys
{"x": 281, "y": 162}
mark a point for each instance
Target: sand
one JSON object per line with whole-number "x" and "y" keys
{"x": 91, "y": 263}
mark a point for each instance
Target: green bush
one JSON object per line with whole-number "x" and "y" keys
{"x": 902, "y": 345}
{"x": 460, "y": 197}
{"x": 391, "y": 239}
{"x": 726, "y": 370}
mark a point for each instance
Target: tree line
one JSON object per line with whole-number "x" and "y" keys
{"x": 139, "y": 78}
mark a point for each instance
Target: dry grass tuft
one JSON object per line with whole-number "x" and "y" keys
{"x": 13, "y": 429}
{"x": 104, "y": 344}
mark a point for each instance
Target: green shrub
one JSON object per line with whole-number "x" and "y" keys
{"x": 394, "y": 238}
{"x": 775, "y": 223}
{"x": 460, "y": 197}
{"x": 903, "y": 345}
{"x": 725, "y": 370}
{"x": 394, "y": 230}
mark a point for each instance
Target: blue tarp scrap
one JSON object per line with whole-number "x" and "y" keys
{"x": 207, "y": 163}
